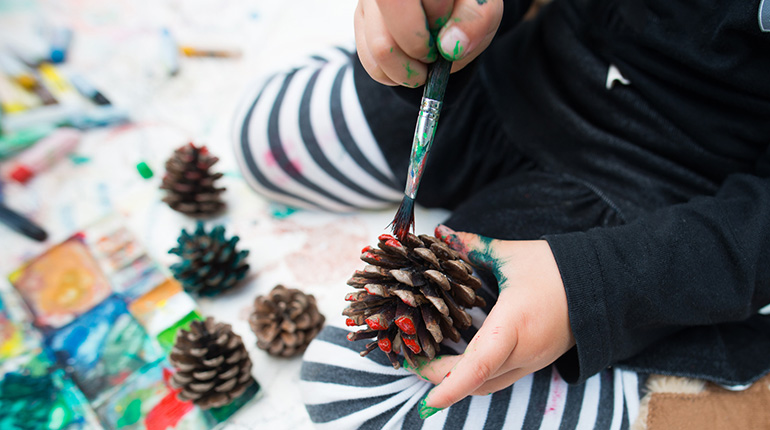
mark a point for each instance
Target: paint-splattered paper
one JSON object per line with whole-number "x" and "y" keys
{"x": 105, "y": 316}
{"x": 61, "y": 284}
{"x": 104, "y": 347}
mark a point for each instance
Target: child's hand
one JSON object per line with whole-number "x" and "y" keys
{"x": 527, "y": 329}
{"x": 394, "y": 42}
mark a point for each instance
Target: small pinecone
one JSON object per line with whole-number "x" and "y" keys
{"x": 212, "y": 365}
{"x": 210, "y": 263}
{"x": 410, "y": 297}
{"x": 285, "y": 321}
{"x": 189, "y": 183}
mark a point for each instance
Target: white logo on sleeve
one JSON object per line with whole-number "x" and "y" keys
{"x": 614, "y": 75}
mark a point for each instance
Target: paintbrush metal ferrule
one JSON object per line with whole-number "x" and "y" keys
{"x": 427, "y": 120}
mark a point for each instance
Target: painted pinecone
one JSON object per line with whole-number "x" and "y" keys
{"x": 189, "y": 182}
{"x": 210, "y": 262}
{"x": 410, "y": 297}
{"x": 212, "y": 365}
{"x": 285, "y": 321}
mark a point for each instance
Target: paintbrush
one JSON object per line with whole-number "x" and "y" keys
{"x": 427, "y": 121}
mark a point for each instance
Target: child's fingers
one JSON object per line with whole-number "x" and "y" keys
{"x": 383, "y": 49}
{"x": 435, "y": 370}
{"x": 407, "y": 22}
{"x": 369, "y": 63}
{"x": 470, "y": 29}
{"x": 476, "y": 249}
{"x": 501, "y": 382}
{"x": 486, "y": 353}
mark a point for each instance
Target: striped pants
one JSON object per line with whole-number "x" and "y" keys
{"x": 302, "y": 138}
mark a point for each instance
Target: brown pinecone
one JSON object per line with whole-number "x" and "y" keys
{"x": 189, "y": 183}
{"x": 411, "y": 296}
{"x": 285, "y": 321}
{"x": 212, "y": 365}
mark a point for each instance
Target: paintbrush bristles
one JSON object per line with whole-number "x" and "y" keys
{"x": 403, "y": 222}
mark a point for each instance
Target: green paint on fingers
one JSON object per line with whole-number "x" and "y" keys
{"x": 481, "y": 2}
{"x": 410, "y": 73}
{"x": 457, "y": 51}
{"x": 427, "y": 411}
{"x": 486, "y": 258}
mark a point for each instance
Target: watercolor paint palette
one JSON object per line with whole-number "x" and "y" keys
{"x": 88, "y": 348}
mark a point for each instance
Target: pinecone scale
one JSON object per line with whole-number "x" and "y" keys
{"x": 410, "y": 297}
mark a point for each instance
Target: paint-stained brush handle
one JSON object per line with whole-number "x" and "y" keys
{"x": 427, "y": 121}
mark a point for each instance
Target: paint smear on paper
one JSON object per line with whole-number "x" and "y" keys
{"x": 104, "y": 347}
{"x": 61, "y": 284}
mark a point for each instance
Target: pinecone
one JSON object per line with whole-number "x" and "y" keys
{"x": 210, "y": 263}
{"x": 285, "y": 321}
{"x": 411, "y": 296}
{"x": 212, "y": 365}
{"x": 189, "y": 183}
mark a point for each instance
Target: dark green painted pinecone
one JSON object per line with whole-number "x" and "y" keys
{"x": 212, "y": 365}
{"x": 210, "y": 262}
{"x": 285, "y": 321}
{"x": 410, "y": 297}
{"x": 189, "y": 182}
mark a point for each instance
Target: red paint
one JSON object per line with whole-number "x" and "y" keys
{"x": 401, "y": 233}
{"x": 372, "y": 256}
{"x": 385, "y": 237}
{"x": 447, "y": 375}
{"x": 406, "y": 325}
{"x": 412, "y": 344}
{"x": 350, "y": 336}
{"x": 393, "y": 243}
{"x": 371, "y": 293}
{"x": 375, "y": 324}
{"x": 349, "y": 322}
{"x": 366, "y": 249}
{"x": 169, "y": 411}
{"x": 448, "y": 236}
{"x": 385, "y": 344}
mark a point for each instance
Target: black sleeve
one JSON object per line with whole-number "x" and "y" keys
{"x": 695, "y": 264}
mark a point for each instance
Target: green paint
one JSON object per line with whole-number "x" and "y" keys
{"x": 391, "y": 49}
{"x": 425, "y": 410}
{"x": 281, "y": 211}
{"x": 132, "y": 414}
{"x": 409, "y": 71}
{"x": 415, "y": 370}
{"x": 486, "y": 258}
{"x": 481, "y": 2}
{"x": 166, "y": 337}
{"x": 78, "y": 159}
{"x": 144, "y": 170}
{"x": 458, "y": 51}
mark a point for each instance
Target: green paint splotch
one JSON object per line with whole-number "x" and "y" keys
{"x": 132, "y": 414}
{"x": 486, "y": 258}
{"x": 481, "y": 2}
{"x": 410, "y": 72}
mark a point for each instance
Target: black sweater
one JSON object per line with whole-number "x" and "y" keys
{"x": 683, "y": 153}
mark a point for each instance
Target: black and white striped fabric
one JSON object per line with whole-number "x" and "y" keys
{"x": 341, "y": 390}
{"x": 301, "y": 138}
